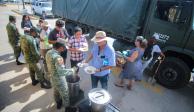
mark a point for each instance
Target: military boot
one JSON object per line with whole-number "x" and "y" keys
{"x": 45, "y": 85}
{"x": 34, "y": 81}
{"x": 18, "y": 63}
{"x": 59, "y": 104}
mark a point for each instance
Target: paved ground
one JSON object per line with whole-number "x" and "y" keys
{"x": 18, "y": 95}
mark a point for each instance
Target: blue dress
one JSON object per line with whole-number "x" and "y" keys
{"x": 132, "y": 70}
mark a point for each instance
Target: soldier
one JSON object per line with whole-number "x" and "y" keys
{"x": 32, "y": 57}
{"x": 58, "y": 72}
{"x": 13, "y": 37}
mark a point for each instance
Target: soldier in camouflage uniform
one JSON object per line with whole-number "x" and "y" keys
{"x": 32, "y": 57}
{"x": 13, "y": 37}
{"x": 58, "y": 73}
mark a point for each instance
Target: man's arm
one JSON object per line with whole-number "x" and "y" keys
{"x": 50, "y": 38}
{"x": 52, "y": 41}
{"x": 66, "y": 33}
{"x": 90, "y": 56}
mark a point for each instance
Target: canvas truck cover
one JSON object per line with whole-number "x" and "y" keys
{"x": 120, "y": 17}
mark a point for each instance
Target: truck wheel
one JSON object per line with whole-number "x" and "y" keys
{"x": 173, "y": 73}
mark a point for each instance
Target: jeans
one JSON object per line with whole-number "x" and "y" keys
{"x": 103, "y": 80}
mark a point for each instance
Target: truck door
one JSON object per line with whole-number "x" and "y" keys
{"x": 169, "y": 19}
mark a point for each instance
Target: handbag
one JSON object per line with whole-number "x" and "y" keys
{"x": 21, "y": 58}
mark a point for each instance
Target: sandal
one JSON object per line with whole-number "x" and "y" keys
{"x": 129, "y": 87}
{"x": 119, "y": 85}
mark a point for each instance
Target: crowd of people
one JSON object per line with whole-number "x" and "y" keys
{"x": 52, "y": 45}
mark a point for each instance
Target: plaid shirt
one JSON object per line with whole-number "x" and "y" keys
{"x": 75, "y": 43}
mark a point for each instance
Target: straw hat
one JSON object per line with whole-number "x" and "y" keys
{"x": 99, "y": 37}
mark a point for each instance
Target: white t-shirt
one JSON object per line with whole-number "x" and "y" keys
{"x": 157, "y": 49}
{"x": 44, "y": 35}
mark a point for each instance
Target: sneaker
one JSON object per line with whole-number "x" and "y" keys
{"x": 45, "y": 85}
{"x": 118, "y": 84}
{"x": 129, "y": 87}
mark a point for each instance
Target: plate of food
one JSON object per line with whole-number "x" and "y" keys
{"x": 90, "y": 70}
{"x": 82, "y": 64}
{"x": 83, "y": 49}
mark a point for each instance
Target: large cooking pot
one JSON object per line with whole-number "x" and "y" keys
{"x": 73, "y": 85}
{"x": 99, "y": 99}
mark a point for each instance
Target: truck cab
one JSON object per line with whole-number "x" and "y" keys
{"x": 173, "y": 21}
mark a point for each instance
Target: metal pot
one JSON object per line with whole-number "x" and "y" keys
{"x": 73, "y": 85}
{"x": 99, "y": 99}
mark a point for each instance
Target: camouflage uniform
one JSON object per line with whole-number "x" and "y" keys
{"x": 32, "y": 56}
{"x": 58, "y": 72}
{"x": 13, "y": 37}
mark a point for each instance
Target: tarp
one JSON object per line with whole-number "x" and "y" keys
{"x": 120, "y": 17}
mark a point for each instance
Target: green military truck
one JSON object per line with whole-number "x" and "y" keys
{"x": 123, "y": 20}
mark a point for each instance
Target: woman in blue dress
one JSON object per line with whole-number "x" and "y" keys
{"x": 133, "y": 67}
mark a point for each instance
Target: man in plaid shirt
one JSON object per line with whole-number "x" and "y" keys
{"x": 77, "y": 46}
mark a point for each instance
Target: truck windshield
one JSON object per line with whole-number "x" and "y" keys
{"x": 46, "y": 5}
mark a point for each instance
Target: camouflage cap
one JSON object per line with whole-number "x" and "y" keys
{"x": 58, "y": 45}
{"x": 33, "y": 29}
{"x": 12, "y": 18}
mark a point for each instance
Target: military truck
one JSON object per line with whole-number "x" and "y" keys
{"x": 123, "y": 20}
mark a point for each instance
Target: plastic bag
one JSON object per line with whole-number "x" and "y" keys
{"x": 21, "y": 58}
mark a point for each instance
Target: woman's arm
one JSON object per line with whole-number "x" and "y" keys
{"x": 133, "y": 57}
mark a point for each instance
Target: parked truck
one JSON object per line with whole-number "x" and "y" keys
{"x": 123, "y": 20}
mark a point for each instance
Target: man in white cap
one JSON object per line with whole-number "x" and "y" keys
{"x": 44, "y": 45}
{"x": 152, "y": 52}
{"x": 102, "y": 57}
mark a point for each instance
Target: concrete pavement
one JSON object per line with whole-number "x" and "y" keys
{"x": 18, "y": 95}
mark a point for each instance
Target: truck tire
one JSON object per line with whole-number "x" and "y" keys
{"x": 173, "y": 73}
